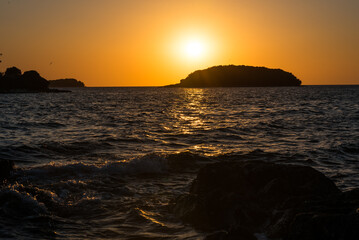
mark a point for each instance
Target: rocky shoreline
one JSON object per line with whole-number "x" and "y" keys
{"x": 252, "y": 200}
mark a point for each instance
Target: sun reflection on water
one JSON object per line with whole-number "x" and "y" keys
{"x": 190, "y": 116}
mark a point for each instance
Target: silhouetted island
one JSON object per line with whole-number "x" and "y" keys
{"x": 238, "y": 76}
{"x": 68, "y": 82}
{"x": 13, "y": 81}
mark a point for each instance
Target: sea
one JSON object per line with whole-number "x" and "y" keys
{"x": 108, "y": 163}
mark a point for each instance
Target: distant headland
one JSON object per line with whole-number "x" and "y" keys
{"x": 68, "y": 82}
{"x": 238, "y": 76}
{"x": 14, "y": 81}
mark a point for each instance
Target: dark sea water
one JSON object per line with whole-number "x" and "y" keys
{"x": 105, "y": 163}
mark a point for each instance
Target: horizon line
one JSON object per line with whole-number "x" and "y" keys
{"x": 225, "y": 87}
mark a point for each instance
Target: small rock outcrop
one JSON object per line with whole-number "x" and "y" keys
{"x": 237, "y": 200}
{"x": 68, "y": 82}
{"x": 238, "y": 76}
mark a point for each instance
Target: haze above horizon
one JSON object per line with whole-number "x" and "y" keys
{"x": 155, "y": 43}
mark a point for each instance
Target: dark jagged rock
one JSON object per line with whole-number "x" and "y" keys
{"x": 6, "y": 167}
{"x": 239, "y": 199}
{"x": 238, "y": 76}
{"x": 68, "y": 82}
{"x": 13, "y": 71}
{"x": 31, "y": 81}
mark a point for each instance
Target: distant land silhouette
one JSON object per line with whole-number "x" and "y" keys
{"x": 13, "y": 81}
{"x": 238, "y": 76}
{"x": 68, "y": 82}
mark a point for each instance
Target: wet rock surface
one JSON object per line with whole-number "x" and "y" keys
{"x": 239, "y": 200}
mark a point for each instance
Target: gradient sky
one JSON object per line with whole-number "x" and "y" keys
{"x": 141, "y": 42}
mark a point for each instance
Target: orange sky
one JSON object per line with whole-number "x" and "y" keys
{"x": 142, "y": 42}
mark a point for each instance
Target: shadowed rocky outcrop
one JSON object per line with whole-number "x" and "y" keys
{"x": 238, "y": 76}
{"x": 237, "y": 200}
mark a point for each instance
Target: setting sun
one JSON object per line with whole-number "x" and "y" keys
{"x": 194, "y": 49}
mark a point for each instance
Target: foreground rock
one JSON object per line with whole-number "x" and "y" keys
{"x": 68, "y": 82}
{"x": 6, "y": 167}
{"x": 238, "y": 200}
{"x": 239, "y": 76}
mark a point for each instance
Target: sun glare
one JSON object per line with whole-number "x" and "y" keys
{"x": 194, "y": 49}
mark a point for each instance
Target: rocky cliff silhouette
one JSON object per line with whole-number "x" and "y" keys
{"x": 238, "y": 76}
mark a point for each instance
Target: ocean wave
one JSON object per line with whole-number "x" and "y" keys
{"x": 153, "y": 163}
{"x": 78, "y": 188}
{"x": 59, "y": 195}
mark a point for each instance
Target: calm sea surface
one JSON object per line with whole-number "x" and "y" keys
{"x": 104, "y": 163}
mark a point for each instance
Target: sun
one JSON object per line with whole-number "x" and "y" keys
{"x": 194, "y": 49}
